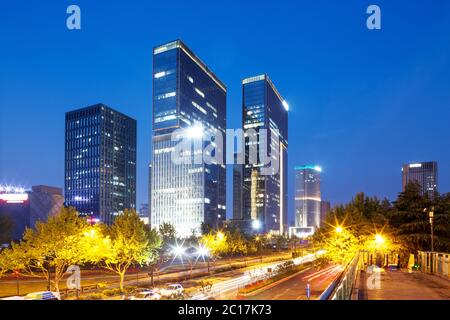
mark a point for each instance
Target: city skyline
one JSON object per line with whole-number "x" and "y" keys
{"x": 332, "y": 94}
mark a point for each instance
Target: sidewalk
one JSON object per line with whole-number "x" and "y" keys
{"x": 401, "y": 285}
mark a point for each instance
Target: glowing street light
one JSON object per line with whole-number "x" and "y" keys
{"x": 256, "y": 224}
{"x": 379, "y": 239}
{"x": 220, "y": 235}
{"x": 203, "y": 252}
{"x": 339, "y": 229}
{"x": 178, "y": 251}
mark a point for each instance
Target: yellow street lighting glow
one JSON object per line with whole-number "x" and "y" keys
{"x": 339, "y": 229}
{"x": 379, "y": 239}
{"x": 220, "y": 235}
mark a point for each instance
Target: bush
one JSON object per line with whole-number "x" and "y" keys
{"x": 112, "y": 292}
{"x": 101, "y": 285}
{"x": 93, "y": 296}
{"x": 129, "y": 289}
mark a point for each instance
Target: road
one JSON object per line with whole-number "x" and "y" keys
{"x": 174, "y": 271}
{"x": 227, "y": 289}
{"x": 295, "y": 287}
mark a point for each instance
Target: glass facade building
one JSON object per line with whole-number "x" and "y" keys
{"x": 100, "y": 162}
{"x": 424, "y": 173}
{"x": 186, "y": 95}
{"x": 264, "y": 197}
{"x": 308, "y": 196}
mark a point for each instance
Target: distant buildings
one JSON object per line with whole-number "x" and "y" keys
{"x": 264, "y": 197}
{"x": 308, "y": 196}
{"x": 100, "y": 162}
{"x": 325, "y": 208}
{"x": 20, "y": 209}
{"x": 237, "y": 192}
{"x": 186, "y": 95}
{"x": 144, "y": 213}
{"x": 45, "y": 201}
{"x": 424, "y": 173}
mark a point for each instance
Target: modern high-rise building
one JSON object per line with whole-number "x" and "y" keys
{"x": 325, "y": 208}
{"x": 424, "y": 173}
{"x": 100, "y": 162}
{"x": 237, "y": 192}
{"x": 307, "y": 196}
{"x": 189, "y": 100}
{"x": 264, "y": 196}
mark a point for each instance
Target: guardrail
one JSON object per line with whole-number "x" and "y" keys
{"x": 435, "y": 262}
{"x": 341, "y": 288}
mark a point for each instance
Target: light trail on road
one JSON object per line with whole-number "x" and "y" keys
{"x": 227, "y": 287}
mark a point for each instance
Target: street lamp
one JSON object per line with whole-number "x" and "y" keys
{"x": 204, "y": 253}
{"x": 379, "y": 240}
{"x": 178, "y": 251}
{"x": 339, "y": 229}
{"x": 431, "y": 216}
{"x": 258, "y": 239}
{"x": 220, "y": 235}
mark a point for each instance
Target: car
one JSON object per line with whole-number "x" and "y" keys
{"x": 146, "y": 295}
{"x": 43, "y": 295}
{"x": 172, "y": 290}
{"x": 14, "y": 298}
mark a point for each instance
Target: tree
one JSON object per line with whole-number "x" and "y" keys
{"x": 130, "y": 243}
{"x": 410, "y": 218}
{"x": 216, "y": 243}
{"x": 168, "y": 234}
{"x": 51, "y": 247}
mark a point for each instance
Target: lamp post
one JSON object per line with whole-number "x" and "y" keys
{"x": 431, "y": 217}
{"x": 258, "y": 239}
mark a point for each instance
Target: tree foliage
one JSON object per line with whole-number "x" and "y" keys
{"x": 51, "y": 247}
{"x": 404, "y": 225}
{"x": 130, "y": 243}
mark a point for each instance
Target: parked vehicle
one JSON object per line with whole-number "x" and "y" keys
{"x": 172, "y": 290}
{"x": 146, "y": 295}
{"x": 43, "y": 295}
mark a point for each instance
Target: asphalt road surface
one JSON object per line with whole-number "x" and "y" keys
{"x": 295, "y": 288}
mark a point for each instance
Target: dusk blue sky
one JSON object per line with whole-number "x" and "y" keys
{"x": 362, "y": 102}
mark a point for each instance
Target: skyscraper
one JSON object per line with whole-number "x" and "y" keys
{"x": 424, "y": 173}
{"x": 325, "y": 208}
{"x": 237, "y": 192}
{"x": 187, "y": 95}
{"x": 100, "y": 162}
{"x": 264, "y": 199}
{"x": 307, "y": 196}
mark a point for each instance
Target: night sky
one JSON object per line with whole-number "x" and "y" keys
{"x": 362, "y": 102}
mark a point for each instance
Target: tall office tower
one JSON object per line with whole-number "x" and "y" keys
{"x": 237, "y": 192}
{"x": 264, "y": 199}
{"x": 100, "y": 165}
{"x": 307, "y": 196}
{"x": 325, "y": 208}
{"x": 187, "y": 96}
{"x": 149, "y": 191}
{"x": 424, "y": 173}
